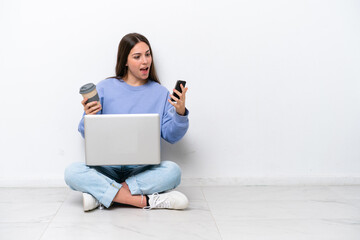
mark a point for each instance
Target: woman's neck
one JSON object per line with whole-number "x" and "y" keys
{"x": 134, "y": 81}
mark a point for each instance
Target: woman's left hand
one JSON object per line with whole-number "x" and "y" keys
{"x": 179, "y": 103}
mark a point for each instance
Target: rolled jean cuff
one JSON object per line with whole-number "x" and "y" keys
{"x": 133, "y": 186}
{"x": 110, "y": 194}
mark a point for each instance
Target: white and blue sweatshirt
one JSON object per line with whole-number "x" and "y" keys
{"x": 118, "y": 97}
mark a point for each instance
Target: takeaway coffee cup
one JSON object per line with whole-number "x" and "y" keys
{"x": 89, "y": 91}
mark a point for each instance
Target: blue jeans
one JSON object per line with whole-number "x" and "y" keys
{"x": 103, "y": 182}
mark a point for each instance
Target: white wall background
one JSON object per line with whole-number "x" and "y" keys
{"x": 273, "y": 85}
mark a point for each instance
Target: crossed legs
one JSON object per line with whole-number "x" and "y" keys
{"x": 139, "y": 182}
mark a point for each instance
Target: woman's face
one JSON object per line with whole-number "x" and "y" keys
{"x": 139, "y": 62}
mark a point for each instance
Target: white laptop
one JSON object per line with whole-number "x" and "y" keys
{"x": 122, "y": 139}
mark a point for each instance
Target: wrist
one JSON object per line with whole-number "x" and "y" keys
{"x": 181, "y": 113}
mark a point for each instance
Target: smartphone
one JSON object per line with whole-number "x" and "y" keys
{"x": 177, "y": 87}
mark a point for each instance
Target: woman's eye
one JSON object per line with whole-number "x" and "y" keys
{"x": 136, "y": 57}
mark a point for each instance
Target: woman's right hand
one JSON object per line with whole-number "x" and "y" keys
{"x": 91, "y": 107}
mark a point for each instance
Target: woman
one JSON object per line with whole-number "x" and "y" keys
{"x": 134, "y": 89}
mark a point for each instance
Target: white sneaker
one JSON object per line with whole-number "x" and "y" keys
{"x": 89, "y": 202}
{"x": 169, "y": 200}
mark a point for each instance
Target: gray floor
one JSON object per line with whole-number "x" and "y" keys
{"x": 236, "y": 212}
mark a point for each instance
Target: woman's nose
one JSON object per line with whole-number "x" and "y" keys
{"x": 144, "y": 59}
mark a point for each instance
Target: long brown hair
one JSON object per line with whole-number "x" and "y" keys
{"x": 125, "y": 46}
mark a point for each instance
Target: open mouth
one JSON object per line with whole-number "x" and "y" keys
{"x": 144, "y": 69}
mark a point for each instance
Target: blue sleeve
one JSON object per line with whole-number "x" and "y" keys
{"x": 173, "y": 126}
{"x": 81, "y": 124}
